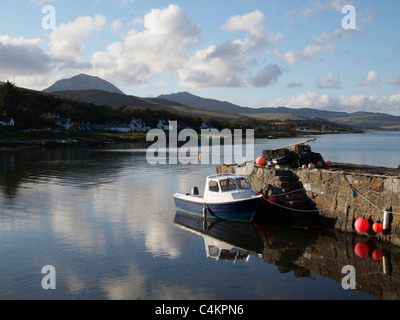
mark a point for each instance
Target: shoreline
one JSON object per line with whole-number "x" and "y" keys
{"x": 57, "y": 143}
{"x": 88, "y": 142}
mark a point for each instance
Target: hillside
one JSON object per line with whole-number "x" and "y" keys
{"x": 193, "y": 101}
{"x": 83, "y": 82}
{"x": 362, "y": 120}
{"x": 115, "y": 99}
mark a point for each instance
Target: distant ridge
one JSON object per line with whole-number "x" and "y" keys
{"x": 83, "y": 82}
{"x": 367, "y": 120}
{"x": 197, "y": 102}
{"x": 115, "y": 99}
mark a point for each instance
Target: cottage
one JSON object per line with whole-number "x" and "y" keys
{"x": 62, "y": 122}
{"x": 164, "y": 125}
{"x": 139, "y": 125}
{"x": 6, "y": 121}
{"x": 206, "y": 126}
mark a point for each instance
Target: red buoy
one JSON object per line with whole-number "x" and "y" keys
{"x": 377, "y": 255}
{"x": 361, "y": 225}
{"x": 260, "y": 161}
{"x": 361, "y": 249}
{"x": 377, "y": 226}
{"x": 272, "y": 201}
{"x": 328, "y": 163}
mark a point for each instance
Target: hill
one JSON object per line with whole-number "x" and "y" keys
{"x": 364, "y": 120}
{"x": 83, "y": 82}
{"x": 193, "y": 101}
{"x": 115, "y": 99}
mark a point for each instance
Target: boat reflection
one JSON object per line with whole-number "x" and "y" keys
{"x": 303, "y": 252}
{"x": 223, "y": 240}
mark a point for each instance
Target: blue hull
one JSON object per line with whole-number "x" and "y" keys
{"x": 238, "y": 211}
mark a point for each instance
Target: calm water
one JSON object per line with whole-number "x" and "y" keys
{"x": 105, "y": 219}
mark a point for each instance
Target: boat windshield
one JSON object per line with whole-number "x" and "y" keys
{"x": 228, "y": 184}
{"x": 213, "y": 186}
{"x": 243, "y": 183}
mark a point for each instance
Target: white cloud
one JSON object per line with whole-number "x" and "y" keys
{"x": 319, "y": 45}
{"x": 20, "y": 56}
{"x": 228, "y": 64}
{"x": 329, "y": 81}
{"x": 214, "y": 66}
{"x": 250, "y": 22}
{"x": 322, "y": 44}
{"x": 354, "y": 103}
{"x": 371, "y": 78}
{"x": 66, "y": 41}
{"x": 163, "y": 46}
{"x": 116, "y": 25}
{"x": 317, "y": 6}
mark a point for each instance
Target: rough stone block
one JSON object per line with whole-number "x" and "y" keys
{"x": 377, "y": 184}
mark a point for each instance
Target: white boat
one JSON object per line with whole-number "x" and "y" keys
{"x": 226, "y": 197}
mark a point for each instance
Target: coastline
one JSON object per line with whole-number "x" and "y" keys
{"x": 44, "y": 140}
{"x": 57, "y": 143}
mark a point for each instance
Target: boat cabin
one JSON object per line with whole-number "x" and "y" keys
{"x": 227, "y": 187}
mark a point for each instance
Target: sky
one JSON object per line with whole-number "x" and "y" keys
{"x": 254, "y": 53}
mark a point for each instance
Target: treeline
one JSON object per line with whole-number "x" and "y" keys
{"x": 34, "y": 109}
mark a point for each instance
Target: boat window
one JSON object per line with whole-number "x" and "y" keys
{"x": 243, "y": 183}
{"x": 213, "y": 251}
{"x": 228, "y": 184}
{"x": 213, "y": 186}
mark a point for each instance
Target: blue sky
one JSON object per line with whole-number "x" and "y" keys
{"x": 254, "y": 53}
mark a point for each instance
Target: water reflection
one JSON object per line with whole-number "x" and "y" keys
{"x": 104, "y": 218}
{"x": 63, "y": 166}
{"x": 303, "y": 252}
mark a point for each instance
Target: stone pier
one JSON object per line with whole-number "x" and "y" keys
{"x": 332, "y": 197}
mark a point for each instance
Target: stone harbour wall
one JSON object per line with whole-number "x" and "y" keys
{"x": 338, "y": 195}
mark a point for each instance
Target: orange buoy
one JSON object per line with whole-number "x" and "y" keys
{"x": 361, "y": 225}
{"x": 361, "y": 249}
{"x": 260, "y": 161}
{"x": 377, "y": 226}
{"x": 377, "y": 255}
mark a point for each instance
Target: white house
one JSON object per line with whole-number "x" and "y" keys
{"x": 63, "y": 122}
{"x": 6, "y": 121}
{"x": 164, "y": 125}
{"x": 206, "y": 126}
{"x": 139, "y": 125}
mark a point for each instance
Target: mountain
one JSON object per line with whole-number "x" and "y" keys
{"x": 367, "y": 120}
{"x": 193, "y": 101}
{"x": 99, "y": 97}
{"x": 83, "y": 82}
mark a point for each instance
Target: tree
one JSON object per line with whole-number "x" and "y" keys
{"x": 7, "y": 96}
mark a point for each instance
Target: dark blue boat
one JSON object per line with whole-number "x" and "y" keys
{"x": 226, "y": 197}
